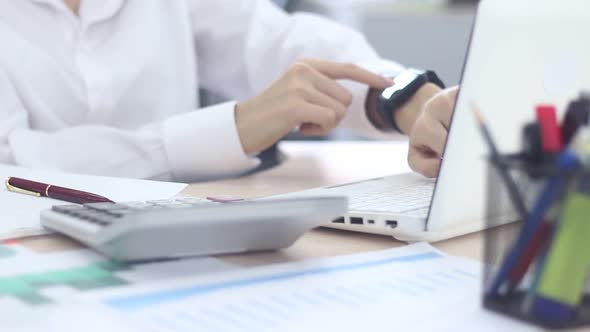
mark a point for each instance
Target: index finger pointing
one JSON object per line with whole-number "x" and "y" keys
{"x": 337, "y": 70}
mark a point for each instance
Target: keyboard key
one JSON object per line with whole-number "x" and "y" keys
{"x": 379, "y": 198}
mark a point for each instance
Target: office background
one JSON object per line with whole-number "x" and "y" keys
{"x": 430, "y": 34}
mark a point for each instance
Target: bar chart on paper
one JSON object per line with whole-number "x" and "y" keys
{"x": 368, "y": 292}
{"x": 36, "y": 279}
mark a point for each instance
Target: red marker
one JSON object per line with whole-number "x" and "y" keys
{"x": 550, "y": 131}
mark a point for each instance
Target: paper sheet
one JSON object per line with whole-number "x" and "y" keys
{"x": 44, "y": 291}
{"x": 20, "y": 213}
{"x": 412, "y": 288}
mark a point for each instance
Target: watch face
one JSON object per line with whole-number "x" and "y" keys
{"x": 400, "y": 82}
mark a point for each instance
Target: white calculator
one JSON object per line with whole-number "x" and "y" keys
{"x": 138, "y": 231}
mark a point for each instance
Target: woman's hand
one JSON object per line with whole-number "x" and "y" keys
{"x": 306, "y": 96}
{"x": 429, "y": 133}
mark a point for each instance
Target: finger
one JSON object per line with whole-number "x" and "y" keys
{"x": 319, "y": 98}
{"x": 424, "y": 165}
{"x": 441, "y": 106}
{"x": 429, "y": 134}
{"x": 308, "y": 129}
{"x": 337, "y": 70}
{"x": 331, "y": 88}
{"x": 321, "y": 116}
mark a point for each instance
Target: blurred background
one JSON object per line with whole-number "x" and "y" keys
{"x": 426, "y": 34}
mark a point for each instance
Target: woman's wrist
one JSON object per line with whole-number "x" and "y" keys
{"x": 406, "y": 116}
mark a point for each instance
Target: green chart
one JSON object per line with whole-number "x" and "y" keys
{"x": 6, "y": 252}
{"x": 27, "y": 287}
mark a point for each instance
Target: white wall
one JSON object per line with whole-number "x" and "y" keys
{"x": 424, "y": 34}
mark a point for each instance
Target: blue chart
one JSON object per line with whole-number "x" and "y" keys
{"x": 341, "y": 294}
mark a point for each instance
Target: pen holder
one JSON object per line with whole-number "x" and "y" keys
{"x": 517, "y": 300}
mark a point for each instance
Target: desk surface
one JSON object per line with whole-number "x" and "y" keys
{"x": 314, "y": 164}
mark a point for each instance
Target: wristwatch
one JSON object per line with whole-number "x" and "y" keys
{"x": 405, "y": 86}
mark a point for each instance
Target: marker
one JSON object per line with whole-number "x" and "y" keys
{"x": 550, "y": 131}
{"x": 580, "y": 145}
{"x": 532, "y": 146}
{"x": 553, "y": 189}
{"x": 561, "y": 284}
{"x": 529, "y": 298}
{"x": 538, "y": 242}
{"x": 576, "y": 116}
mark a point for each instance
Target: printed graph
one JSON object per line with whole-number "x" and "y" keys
{"x": 6, "y": 252}
{"x": 292, "y": 298}
{"x": 28, "y": 287}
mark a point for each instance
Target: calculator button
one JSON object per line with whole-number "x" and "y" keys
{"x": 106, "y": 206}
{"x": 170, "y": 204}
{"x": 121, "y": 213}
{"x": 179, "y": 206}
{"x": 67, "y": 209}
{"x": 139, "y": 205}
{"x": 105, "y": 220}
{"x": 161, "y": 202}
{"x": 224, "y": 199}
{"x": 88, "y": 214}
{"x": 192, "y": 200}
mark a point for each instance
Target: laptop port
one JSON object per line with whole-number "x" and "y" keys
{"x": 371, "y": 221}
{"x": 338, "y": 220}
{"x": 356, "y": 220}
{"x": 391, "y": 223}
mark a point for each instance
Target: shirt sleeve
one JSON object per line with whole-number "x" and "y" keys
{"x": 182, "y": 148}
{"x": 243, "y": 46}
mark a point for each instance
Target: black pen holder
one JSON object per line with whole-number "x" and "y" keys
{"x": 530, "y": 177}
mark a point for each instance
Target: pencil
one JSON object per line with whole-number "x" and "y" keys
{"x": 506, "y": 178}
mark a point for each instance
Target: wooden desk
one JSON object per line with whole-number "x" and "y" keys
{"x": 314, "y": 164}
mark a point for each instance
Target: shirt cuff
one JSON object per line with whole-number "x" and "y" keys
{"x": 204, "y": 144}
{"x": 356, "y": 118}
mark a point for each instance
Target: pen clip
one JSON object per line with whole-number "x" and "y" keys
{"x": 14, "y": 189}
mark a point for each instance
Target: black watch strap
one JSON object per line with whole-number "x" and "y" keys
{"x": 405, "y": 86}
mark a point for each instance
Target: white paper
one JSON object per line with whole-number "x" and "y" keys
{"x": 414, "y": 288}
{"x": 63, "y": 307}
{"x": 75, "y": 317}
{"x": 20, "y": 212}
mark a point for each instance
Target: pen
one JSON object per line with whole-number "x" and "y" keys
{"x": 553, "y": 189}
{"x": 39, "y": 189}
{"x": 508, "y": 180}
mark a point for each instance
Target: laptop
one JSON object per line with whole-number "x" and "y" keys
{"x": 521, "y": 53}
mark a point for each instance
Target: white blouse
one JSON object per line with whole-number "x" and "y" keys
{"x": 115, "y": 90}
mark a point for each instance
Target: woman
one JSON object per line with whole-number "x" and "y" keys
{"x": 109, "y": 87}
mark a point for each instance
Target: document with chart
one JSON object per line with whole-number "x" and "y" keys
{"x": 48, "y": 290}
{"x": 413, "y": 287}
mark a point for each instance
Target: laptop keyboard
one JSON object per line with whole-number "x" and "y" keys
{"x": 411, "y": 200}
